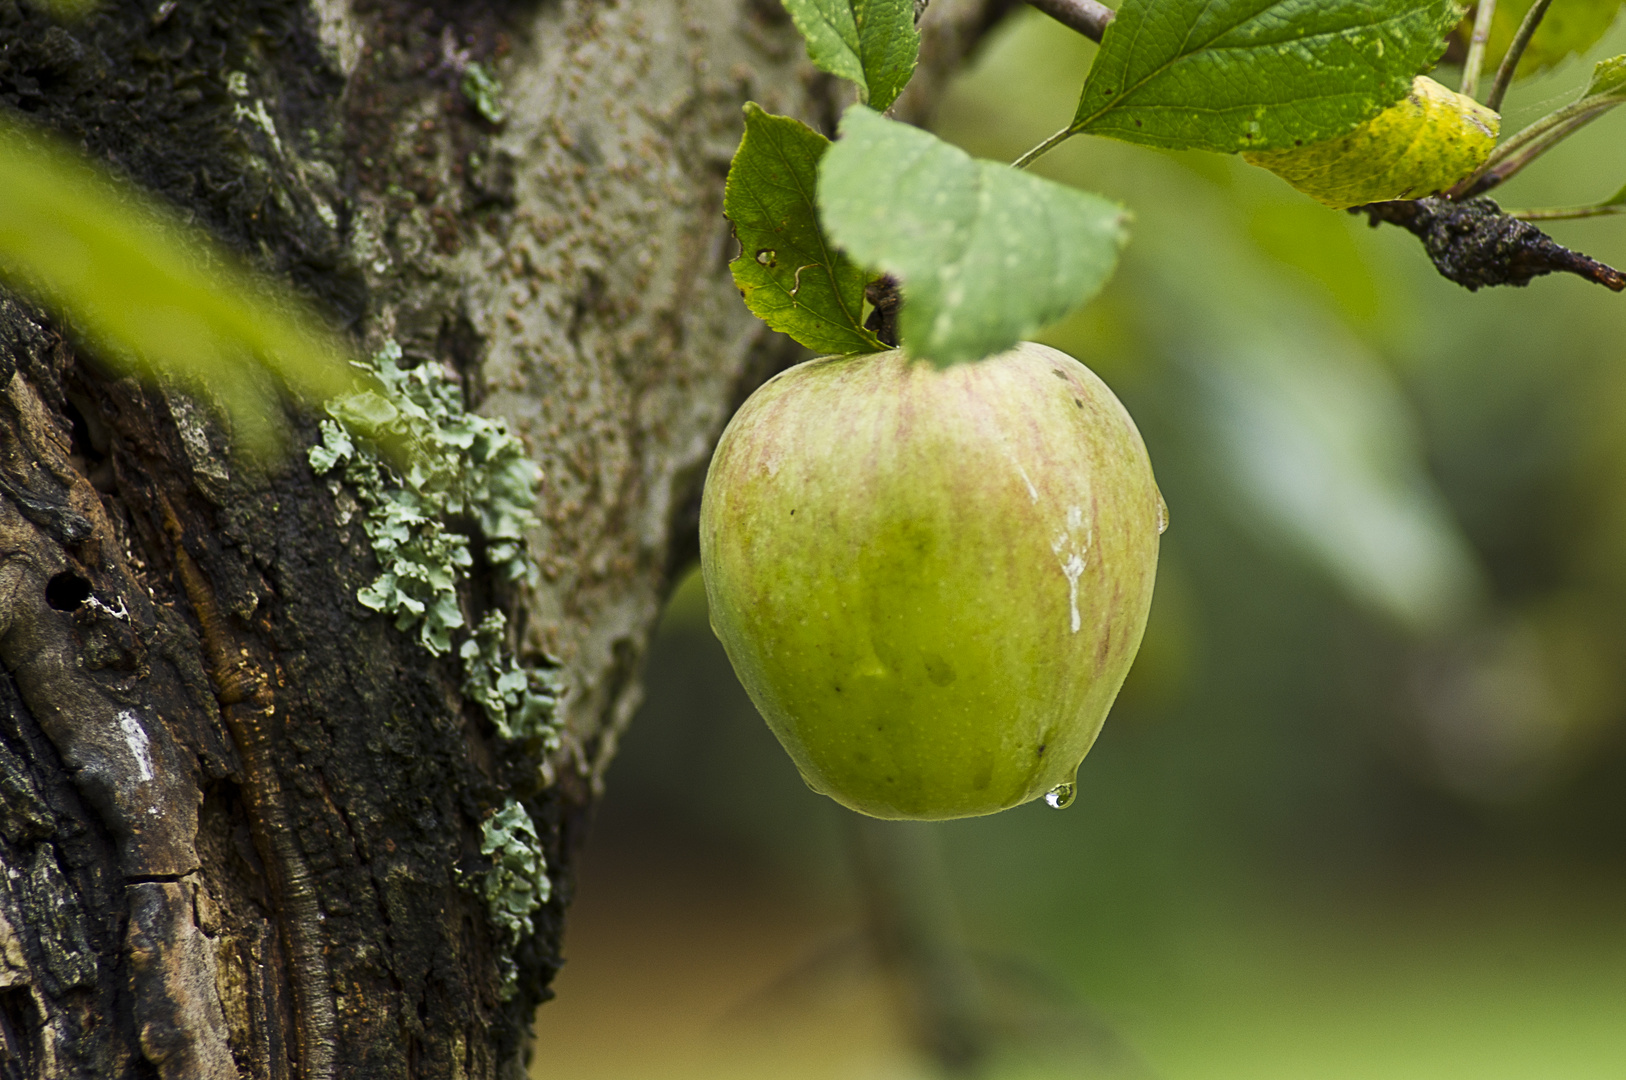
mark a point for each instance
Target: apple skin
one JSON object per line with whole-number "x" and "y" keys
{"x": 932, "y": 582}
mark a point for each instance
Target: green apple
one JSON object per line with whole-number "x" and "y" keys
{"x": 932, "y": 582}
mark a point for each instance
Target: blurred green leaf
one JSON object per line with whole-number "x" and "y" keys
{"x": 1230, "y": 75}
{"x": 790, "y": 276}
{"x": 1570, "y": 28}
{"x": 874, "y": 43}
{"x": 154, "y": 297}
{"x": 1313, "y": 436}
{"x": 987, "y": 254}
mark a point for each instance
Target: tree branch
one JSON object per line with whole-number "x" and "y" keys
{"x": 1086, "y": 16}
{"x": 1475, "y": 244}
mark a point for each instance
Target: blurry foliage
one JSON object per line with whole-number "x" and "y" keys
{"x": 154, "y": 297}
{"x": 1313, "y": 383}
{"x": 1357, "y": 811}
{"x": 1390, "y": 611}
{"x": 1570, "y": 28}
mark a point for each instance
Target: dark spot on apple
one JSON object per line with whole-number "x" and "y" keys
{"x": 1059, "y": 373}
{"x": 1039, "y": 752}
{"x": 793, "y": 512}
{"x": 1076, "y": 401}
{"x": 939, "y": 670}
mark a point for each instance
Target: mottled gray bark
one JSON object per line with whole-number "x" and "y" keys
{"x": 239, "y": 812}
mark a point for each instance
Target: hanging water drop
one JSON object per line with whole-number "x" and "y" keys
{"x": 1060, "y": 797}
{"x": 1162, "y": 515}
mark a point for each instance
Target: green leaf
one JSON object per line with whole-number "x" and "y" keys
{"x": 872, "y": 42}
{"x": 1424, "y": 144}
{"x": 1570, "y": 27}
{"x": 1608, "y": 79}
{"x": 791, "y": 277}
{"x": 987, "y": 254}
{"x": 1229, "y": 75}
{"x": 153, "y": 296}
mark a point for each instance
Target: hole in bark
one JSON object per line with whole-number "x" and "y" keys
{"x": 67, "y": 591}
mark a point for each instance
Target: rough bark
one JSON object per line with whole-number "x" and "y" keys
{"x": 239, "y": 812}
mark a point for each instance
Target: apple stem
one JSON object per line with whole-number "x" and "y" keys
{"x": 883, "y": 295}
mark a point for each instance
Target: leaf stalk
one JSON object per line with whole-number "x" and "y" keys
{"x": 1515, "y": 53}
{"x": 1511, "y": 157}
{"x": 1085, "y": 16}
{"x": 1043, "y": 148}
{"x": 1569, "y": 213}
{"x": 1476, "y": 48}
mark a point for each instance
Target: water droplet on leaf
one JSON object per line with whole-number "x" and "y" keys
{"x": 1060, "y": 797}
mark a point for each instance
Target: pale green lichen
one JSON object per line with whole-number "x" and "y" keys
{"x": 447, "y": 465}
{"x": 521, "y": 703}
{"x": 457, "y": 465}
{"x": 517, "y": 883}
{"x": 484, "y": 92}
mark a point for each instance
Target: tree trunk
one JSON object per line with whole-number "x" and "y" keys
{"x": 241, "y": 814}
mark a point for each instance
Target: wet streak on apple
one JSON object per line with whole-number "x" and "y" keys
{"x": 932, "y": 582}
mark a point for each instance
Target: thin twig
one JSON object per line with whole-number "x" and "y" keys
{"x": 1086, "y": 16}
{"x": 1476, "y": 48}
{"x": 1475, "y": 245}
{"x": 1515, "y": 53}
{"x": 1528, "y": 145}
{"x": 1043, "y": 148}
{"x": 1569, "y": 213}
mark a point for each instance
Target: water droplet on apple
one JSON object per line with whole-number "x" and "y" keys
{"x": 1060, "y": 797}
{"x": 1162, "y": 515}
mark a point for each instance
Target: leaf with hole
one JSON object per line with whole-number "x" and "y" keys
{"x": 1230, "y": 75}
{"x": 986, "y": 254}
{"x": 790, "y": 275}
{"x": 872, "y": 42}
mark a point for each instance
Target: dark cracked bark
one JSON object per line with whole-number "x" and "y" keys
{"x": 239, "y": 812}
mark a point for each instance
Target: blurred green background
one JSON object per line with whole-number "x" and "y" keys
{"x": 1361, "y": 808}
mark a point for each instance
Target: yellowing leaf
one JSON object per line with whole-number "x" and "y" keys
{"x": 1426, "y": 143}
